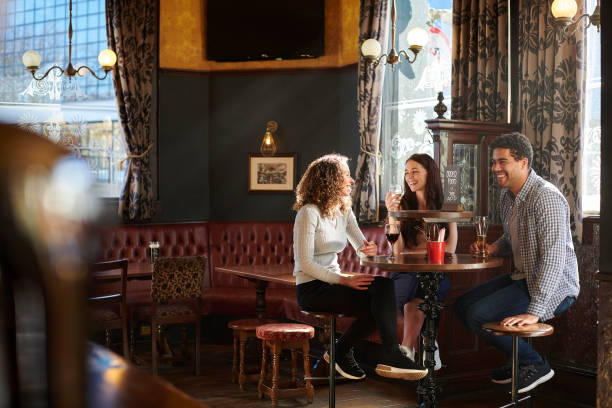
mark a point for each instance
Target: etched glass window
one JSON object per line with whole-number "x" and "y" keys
{"x": 591, "y": 124}
{"x": 79, "y": 113}
{"x": 410, "y": 90}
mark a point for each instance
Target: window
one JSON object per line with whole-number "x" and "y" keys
{"x": 410, "y": 90}
{"x": 591, "y": 124}
{"x": 80, "y": 113}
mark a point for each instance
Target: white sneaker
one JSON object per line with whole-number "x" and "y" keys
{"x": 408, "y": 352}
{"x": 436, "y": 357}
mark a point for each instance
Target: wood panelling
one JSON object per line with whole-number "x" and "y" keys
{"x": 182, "y": 39}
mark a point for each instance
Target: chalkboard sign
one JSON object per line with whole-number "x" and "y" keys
{"x": 452, "y": 186}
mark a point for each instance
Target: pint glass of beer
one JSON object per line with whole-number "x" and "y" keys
{"x": 482, "y": 224}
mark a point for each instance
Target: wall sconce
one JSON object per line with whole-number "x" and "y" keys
{"x": 268, "y": 145}
{"x": 107, "y": 59}
{"x": 417, "y": 38}
{"x": 564, "y": 11}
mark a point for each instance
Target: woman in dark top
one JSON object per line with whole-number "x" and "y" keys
{"x": 422, "y": 191}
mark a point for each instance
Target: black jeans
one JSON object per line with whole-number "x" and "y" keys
{"x": 374, "y": 309}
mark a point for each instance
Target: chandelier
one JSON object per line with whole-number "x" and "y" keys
{"x": 417, "y": 38}
{"x": 564, "y": 11}
{"x": 107, "y": 59}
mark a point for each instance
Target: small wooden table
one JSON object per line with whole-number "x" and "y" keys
{"x": 113, "y": 382}
{"x": 430, "y": 275}
{"x": 261, "y": 275}
{"x": 136, "y": 271}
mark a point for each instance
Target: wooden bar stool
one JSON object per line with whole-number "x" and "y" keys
{"x": 243, "y": 330}
{"x": 329, "y": 333}
{"x": 275, "y": 338}
{"x": 528, "y": 331}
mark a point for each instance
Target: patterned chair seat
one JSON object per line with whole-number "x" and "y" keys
{"x": 168, "y": 310}
{"x": 285, "y": 332}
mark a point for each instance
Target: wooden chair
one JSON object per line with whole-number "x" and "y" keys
{"x": 176, "y": 290}
{"x": 527, "y": 331}
{"x": 109, "y": 311}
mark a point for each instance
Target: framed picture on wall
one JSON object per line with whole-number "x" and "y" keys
{"x": 272, "y": 174}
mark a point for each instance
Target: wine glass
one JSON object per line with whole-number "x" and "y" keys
{"x": 392, "y": 234}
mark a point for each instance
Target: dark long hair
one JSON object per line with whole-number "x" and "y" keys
{"x": 433, "y": 196}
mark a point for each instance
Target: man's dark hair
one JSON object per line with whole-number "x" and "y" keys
{"x": 518, "y": 144}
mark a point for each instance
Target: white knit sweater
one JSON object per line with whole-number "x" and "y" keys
{"x": 317, "y": 240}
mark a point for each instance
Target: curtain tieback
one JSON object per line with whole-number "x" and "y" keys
{"x": 376, "y": 156}
{"x": 134, "y": 156}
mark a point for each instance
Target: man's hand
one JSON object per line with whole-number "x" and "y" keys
{"x": 369, "y": 248}
{"x": 492, "y": 249}
{"x": 520, "y": 320}
{"x": 359, "y": 281}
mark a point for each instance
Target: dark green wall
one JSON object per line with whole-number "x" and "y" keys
{"x": 210, "y": 123}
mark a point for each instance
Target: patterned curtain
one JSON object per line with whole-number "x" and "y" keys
{"x": 372, "y": 24}
{"x": 480, "y": 60}
{"x": 132, "y": 33}
{"x": 551, "y": 90}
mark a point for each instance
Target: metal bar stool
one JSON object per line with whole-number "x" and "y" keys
{"x": 329, "y": 327}
{"x": 528, "y": 331}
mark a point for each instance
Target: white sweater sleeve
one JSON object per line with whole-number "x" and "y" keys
{"x": 354, "y": 234}
{"x": 303, "y": 241}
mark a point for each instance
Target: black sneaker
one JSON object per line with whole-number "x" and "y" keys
{"x": 397, "y": 365}
{"x": 533, "y": 375}
{"x": 502, "y": 375}
{"x": 346, "y": 365}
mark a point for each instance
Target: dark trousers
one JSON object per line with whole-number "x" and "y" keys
{"x": 495, "y": 300}
{"x": 374, "y": 309}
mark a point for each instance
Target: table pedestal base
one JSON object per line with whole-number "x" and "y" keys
{"x": 427, "y": 388}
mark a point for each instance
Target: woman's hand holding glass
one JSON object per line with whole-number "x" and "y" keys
{"x": 394, "y": 197}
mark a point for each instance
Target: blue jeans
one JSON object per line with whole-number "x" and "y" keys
{"x": 495, "y": 300}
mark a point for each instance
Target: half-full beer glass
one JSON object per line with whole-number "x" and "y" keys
{"x": 482, "y": 224}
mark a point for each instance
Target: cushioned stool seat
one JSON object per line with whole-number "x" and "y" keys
{"x": 243, "y": 330}
{"x": 276, "y": 337}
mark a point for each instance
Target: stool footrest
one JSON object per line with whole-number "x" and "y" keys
{"x": 512, "y": 404}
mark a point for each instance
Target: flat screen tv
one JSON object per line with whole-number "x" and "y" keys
{"x": 249, "y": 30}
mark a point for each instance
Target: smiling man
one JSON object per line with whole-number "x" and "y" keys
{"x": 544, "y": 278}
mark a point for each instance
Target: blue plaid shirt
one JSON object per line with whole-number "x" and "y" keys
{"x": 545, "y": 241}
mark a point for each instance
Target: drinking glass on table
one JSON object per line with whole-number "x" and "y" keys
{"x": 482, "y": 224}
{"x": 392, "y": 232}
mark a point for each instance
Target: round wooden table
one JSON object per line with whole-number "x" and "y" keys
{"x": 430, "y": 275}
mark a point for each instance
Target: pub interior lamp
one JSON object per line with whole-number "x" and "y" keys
{"x": 371, "y": 48}
{"x": 564, "y": 11}
{"x": 107, "y": 59}
{"x": 268, "y": 145}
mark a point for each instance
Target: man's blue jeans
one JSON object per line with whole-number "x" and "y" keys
{"x": 495, "y": 300}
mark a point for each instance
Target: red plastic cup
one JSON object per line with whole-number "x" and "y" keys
{"x": 435, "y": 251}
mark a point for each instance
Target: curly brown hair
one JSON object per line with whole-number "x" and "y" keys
{"x": 322, "y": 185}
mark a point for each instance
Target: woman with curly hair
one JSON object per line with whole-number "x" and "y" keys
{"x": 323, "y": 224}
{"x": 422, "y": 191}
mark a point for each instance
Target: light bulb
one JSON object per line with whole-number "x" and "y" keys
{"x": 107, "y": 58}
{"x": 564, "y": 9}
{"x": 268, "y": 146}
{"x": 417, "y": 38}
{"x": 371, "y": 48}
{"x": 31, "y": 58}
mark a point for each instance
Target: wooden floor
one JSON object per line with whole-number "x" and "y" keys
{"x": 215, "y": 389}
